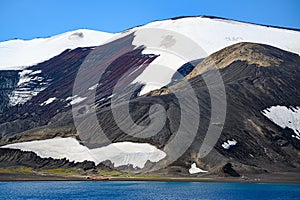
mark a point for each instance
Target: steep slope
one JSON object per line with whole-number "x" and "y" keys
{"x": 252, "y": 53}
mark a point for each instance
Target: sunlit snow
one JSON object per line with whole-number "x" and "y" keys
{"x": 229, "y": 143}
{"x": 174, "y": 47}
{"x": 50, "y": 100}
{"x": 93, "y": 87}
{"x": 75, "y": 99}
{"x": 28, "y": 86}
{"x": 285, "y": 117}
{"x": 121, "y": 153}
{"x": 194, "y": 169}
{"x": 209, "y": 35}
{"x": 17, "y": 54}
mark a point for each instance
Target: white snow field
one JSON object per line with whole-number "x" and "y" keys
{"x": 121, "y": 153}
{"x": 18, "y": 54}
{"x": 285, "y": 117}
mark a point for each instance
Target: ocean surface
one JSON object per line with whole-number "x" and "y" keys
{"x": 147, "y": 190}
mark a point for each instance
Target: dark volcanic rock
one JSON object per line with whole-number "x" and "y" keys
{"x": 227, "y": 170}
{"x": 14, "y": 157}
{"x": 8, "y": 82}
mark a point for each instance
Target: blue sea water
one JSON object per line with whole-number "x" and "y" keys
{"x": 147, "y": 190}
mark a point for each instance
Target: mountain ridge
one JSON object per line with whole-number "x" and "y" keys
{"x": 8, "y": 51}
{"x": 224, "y": 18}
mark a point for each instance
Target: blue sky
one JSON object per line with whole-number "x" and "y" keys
{"x": 27, "y": 19}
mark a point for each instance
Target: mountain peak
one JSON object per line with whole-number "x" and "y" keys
{"x": 17, "y": 54}
{"x": 232, "y": 20}
{"x": 259, "y": 54}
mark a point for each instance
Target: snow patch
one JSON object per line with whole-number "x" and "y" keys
{"x": 93, "y": 87}
{"x": 229, "y": 143}
{"x": 36, "y": 72}
{"x": 285, "y": 117}
{"x": 23, "y": 77}
{"x": 296, "y": 136}
{"x": 50, "y": 100}
{"x": 121, "y": 153}
{"x": 194, "y": 169}
{"x": 75, "y": 99}
{"x": 28, "y": 86}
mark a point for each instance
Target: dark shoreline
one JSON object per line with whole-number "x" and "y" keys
{"x": 45, "y": 178}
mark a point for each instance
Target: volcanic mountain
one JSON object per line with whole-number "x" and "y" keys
{"x": 196, "y": 96}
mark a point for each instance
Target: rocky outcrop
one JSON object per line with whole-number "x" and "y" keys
{"x": 227, "y": 170}
{"x": 252, "y": 53}
{"x": 14, "y": 157}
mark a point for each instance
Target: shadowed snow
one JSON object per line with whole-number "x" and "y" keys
{"x": 285, "y": 117}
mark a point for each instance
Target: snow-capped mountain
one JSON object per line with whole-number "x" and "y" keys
{"x": 258, "y": 65}
{"x": 18, "y": 54}
{"x": 209, "y": 34}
